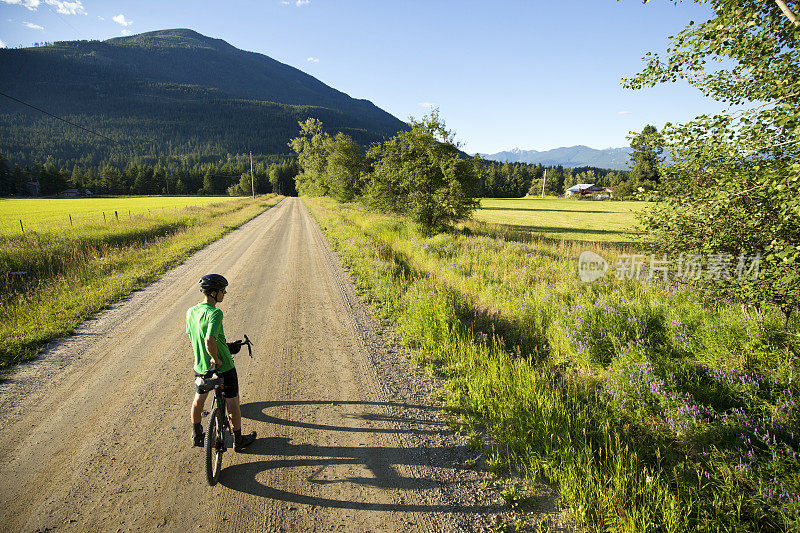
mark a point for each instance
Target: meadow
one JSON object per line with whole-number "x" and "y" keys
{"x": 49, "y": 214}
{"x": 103, "y": 261}
{"x": 561, "y": 218}
{"x": 645, "y": 406}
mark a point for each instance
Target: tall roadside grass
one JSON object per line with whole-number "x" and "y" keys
{"x": 646, "y": 407}
{"x": 51, "y": 281}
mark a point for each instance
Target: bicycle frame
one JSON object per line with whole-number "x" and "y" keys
{"x": 223, "y": 421}
{"x": 220, "y": 432}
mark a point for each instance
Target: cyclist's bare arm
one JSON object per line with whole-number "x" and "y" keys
{"x": 211, "y": 346}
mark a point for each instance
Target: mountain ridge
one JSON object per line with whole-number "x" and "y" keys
{"x": 567, "y": 156}
{"x": 182, "y": 90}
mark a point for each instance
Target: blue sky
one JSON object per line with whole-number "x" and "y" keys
{"x": 535, "y": 74}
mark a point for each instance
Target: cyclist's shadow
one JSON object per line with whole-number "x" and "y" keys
{"x": 312, "y": 459}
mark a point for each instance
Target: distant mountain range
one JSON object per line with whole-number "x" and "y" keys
{"x": 167, "y": 92}
{"x": 568, "y": 156}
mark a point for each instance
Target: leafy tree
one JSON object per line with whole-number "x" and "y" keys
{"x": 421, "y": 173}
{"x": 111, "y": 180}
{"x": 586, "y": 176}
{"x": 570, "y": 179}
{"x": 51, "y": 180}
{"x": 310, "y": 146}
{"x": 75, "y": 179}
{"x": 144, "y": 182}
{"x": 625, "y": 190}
{"x": 734, "y": 182}
{"x": 555, "y": 180}
{"x": 282, "y": 178}
{"x": 345, "y": 168}
{"x": 243, "y": 187}
{"x": 332, "y": 166}
{"x": 213, "y": 181}
{"x": 647, "y": 157}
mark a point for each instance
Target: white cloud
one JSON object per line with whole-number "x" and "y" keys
{"x": 3, "y": 44}
{"x": 303, "y": 2}
{"x": 32, "y": 26}
{"x": 64, "y": 7}
{"x": 120, "y": 19}
{"x": 100, "y": 18}
{"x": 30, "y": 4}
{"x": 67, "y": 8}
{"x": 624, "y": 112}
{"x": 126, "y": 32}
{"x": 285, "y": 2}
{"x": 313, "y": 59}
{"x": 427, "y": 104}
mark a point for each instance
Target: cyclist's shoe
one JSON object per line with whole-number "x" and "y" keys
{"x": 198, "y": 439}
{"x": 244, "y": 441}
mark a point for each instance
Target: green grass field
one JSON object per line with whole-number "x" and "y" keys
{"x": 563, "y": 218}
{"x": 51, "y": 214}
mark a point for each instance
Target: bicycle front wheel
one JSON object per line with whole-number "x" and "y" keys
{"x": 214, "y": 447}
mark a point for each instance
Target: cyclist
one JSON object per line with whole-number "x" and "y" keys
{"x": 213, "y": 353}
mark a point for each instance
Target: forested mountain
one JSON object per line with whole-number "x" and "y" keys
{"x": 568, "y": 156}
{"x": 167, "y": 94}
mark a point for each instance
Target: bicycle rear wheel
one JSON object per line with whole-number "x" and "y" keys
{"x": 214, "y": 446}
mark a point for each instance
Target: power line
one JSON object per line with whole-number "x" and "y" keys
{"x": 64, "y": 20}
{"x": 58, "y": 118}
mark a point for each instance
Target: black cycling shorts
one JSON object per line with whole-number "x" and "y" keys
{"x": 230, "y": 382}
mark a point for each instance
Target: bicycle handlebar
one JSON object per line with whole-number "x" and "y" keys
{"x": 246, "y": 342}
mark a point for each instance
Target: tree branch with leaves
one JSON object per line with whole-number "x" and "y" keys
{"x": 733, "y": 185}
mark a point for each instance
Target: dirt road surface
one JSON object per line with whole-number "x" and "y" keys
{"x": 96, "y": 437}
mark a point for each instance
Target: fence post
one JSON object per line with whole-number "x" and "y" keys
{"x": 70, "y": 219}
{"x": 116, "y": 215}
{"x": 21, "y": 226}
{"x": 104, "y": 217}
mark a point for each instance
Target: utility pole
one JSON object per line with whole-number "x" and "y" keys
{"x": 252, "y": 181}
{"x": 543, "y": 181}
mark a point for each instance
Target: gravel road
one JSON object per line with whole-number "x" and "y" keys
{"x": 96, "y": 437}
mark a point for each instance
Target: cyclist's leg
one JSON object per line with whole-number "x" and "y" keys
{"x": 234, "y": 413}
{"x": 231, "y": 381}
{"x": 197, "y": 407}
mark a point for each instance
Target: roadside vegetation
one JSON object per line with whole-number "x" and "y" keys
{"x": 649, "y": 407}
{"x": 57, "y": 276}
{"x": 651, "y": 403}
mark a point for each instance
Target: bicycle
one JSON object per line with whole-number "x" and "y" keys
{"x": 219, "y": 436}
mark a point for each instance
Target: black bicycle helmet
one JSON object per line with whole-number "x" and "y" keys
{"x": 212, "y": 282}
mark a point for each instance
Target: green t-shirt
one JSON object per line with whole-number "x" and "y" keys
{"x": 203, "y": 320}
